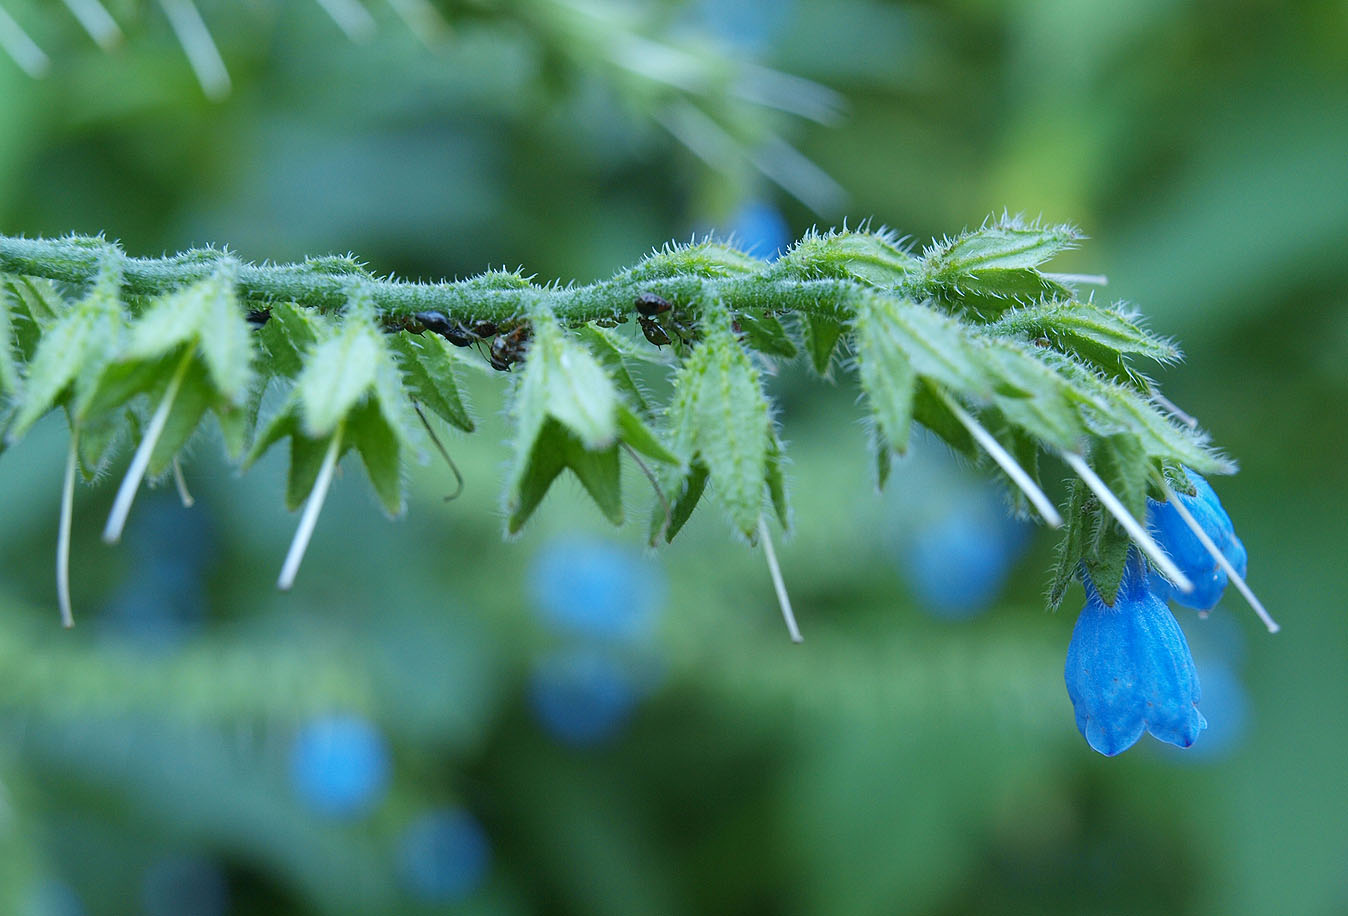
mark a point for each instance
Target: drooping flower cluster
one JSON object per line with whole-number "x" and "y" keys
{"x": 1129, "y": 668}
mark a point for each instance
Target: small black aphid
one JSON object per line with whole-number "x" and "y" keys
{"x": 649, "y": 305}
{"x": 460, "y": 336}
{"x": 654, "y": 333}
{"x": 435, "y": 322}
{"x": 258, "y": 317}
{"x": 509, "y": 348}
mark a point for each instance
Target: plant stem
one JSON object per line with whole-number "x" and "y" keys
{"x": 77, "y": 261}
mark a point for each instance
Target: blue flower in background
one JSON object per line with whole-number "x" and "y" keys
{"x": 339, "y": 765}
{"x": 1129, "y": 669}
{"x": 444, "y": 855}
{"x": 950, "y": 534}
{"x": 760, "y": 229}
{"x": 1188, "y": 552}
{"x": 582, "y": 697}
{"x": 595, "y": 588}
{"x": 52, "y": 898}
{"x": 957, "y": 564}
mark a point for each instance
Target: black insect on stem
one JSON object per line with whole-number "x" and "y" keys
{"x": 649, "y": 305}
{"x": 654, "y": 333}
{"x": 508, "y": 348}
{"x": 436, "y": 322}
{"x": 258, "y": 317}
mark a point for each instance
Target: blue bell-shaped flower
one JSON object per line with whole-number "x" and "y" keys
{"x": 1188, "y": 552}
{"x": 1129, "y": 669}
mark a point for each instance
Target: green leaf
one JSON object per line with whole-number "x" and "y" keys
{"x": 235, "y": 422}
{"x": 1103, "y": 337}
{"x": 306, "y": 454}
{"x": 1105, "y": 563}
{"x": 338, "y": 373}
{"x": 428, "y": 372}
{"x": 289, "y": 334}
{"x": 617, "y": 356}
{"x": 555, "y": 449}
{"x": 120, "y": 381}
{"x": 872, "y": 258}
{"x": 821, "y": 340}
{"x": 989, "y": 293}
{"x": 226, "y": 340}
{"x": 765, "y": 334}
{"x": 76, "y": 343}
{"x": 1081, "y": 516}
{"x": 886, "y": 373}
{"x": 931, "y": 410}
{"x": 97, "y": 438}
{"x": 720, "y": 415}
{"x": 1034, "y": 397}
{"x": 1007, "y": 244}
{"x": 1125, "y": 469}
{"x": 9, "y": 367}
{"x": 380, "y": 448}
{"x": 707, "y": 259}
{"x": 1123, "y": 466}
{"x": 568, "y": 415}
{"x": 563, "y": 380}
{"x": 634, "y": 431}
{"x": 196, "y": 394}
{"x": 35, "y": 306}
{"x": 684, "y": 497}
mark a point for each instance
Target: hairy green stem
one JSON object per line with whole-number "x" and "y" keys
{"x": 78, "y": 261}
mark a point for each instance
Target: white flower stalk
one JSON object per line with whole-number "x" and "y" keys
{"x": 1125, "y": 518}
{"x": 180, "y": 483}
{"x": 783, "y": 599}
{"x": 63, "y": 533}
{"x": 312, "y": 507}
{"x": 126, "y": 494}
{"x": 1222, "y": 561}
{"x": 100, "y": 25}
{"x": 1018, "y": 474}
{"x": 199, "y": 47}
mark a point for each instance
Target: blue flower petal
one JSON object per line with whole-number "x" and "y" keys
{"x": 1188, "y": 552}
{"x": 1129, "y": 670}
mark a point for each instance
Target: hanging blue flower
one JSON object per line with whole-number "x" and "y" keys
{"x": 1188, "y": 552}
{"x": 1129, "y": 669}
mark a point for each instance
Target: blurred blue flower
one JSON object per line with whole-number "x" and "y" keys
{"x": 950, "y": 534}
{"x": 582, "y": 697}
{"x": 443, "y": 855}
{"x": 182, "y": 884}
{"x": 760, "y": 229}
{"x": 163, "y": 603}
{"x": 750, "y": 24}
{"x": 957, "y": 564}
{"x": 1129, "y": 669}
{"x": 595, "y": 588}
{"x": 339, "y": 765}
{"x": 52, "y": 898}
{"x": 1188, "y": 552}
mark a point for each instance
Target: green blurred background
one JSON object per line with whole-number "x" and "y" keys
{"x": 437, "y": 720}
